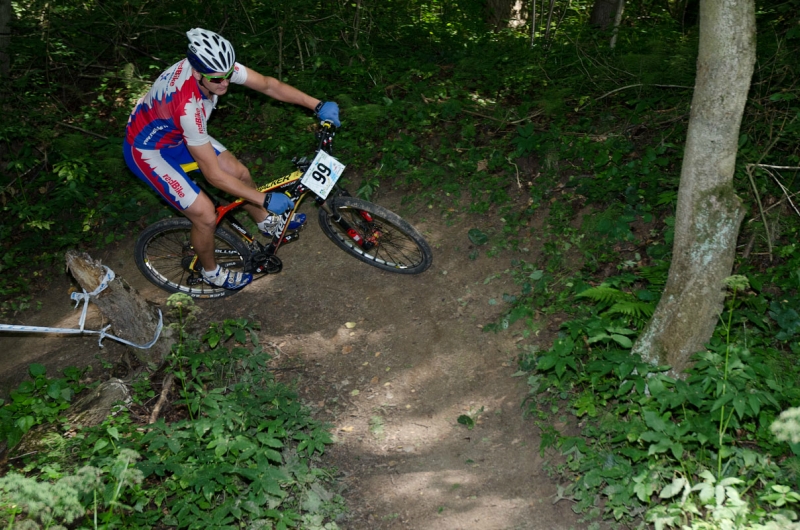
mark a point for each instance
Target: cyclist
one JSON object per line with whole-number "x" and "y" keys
{"x": 167, "y": 128}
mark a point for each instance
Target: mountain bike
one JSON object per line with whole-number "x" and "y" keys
{"x": 366, "y": 231}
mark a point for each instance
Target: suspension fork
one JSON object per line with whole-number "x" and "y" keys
{"x": 351, "y": 232}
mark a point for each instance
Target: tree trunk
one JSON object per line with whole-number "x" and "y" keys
{"x": 549, "y": 23}
{"x": 356, "y": 23}
{"x": 130, "y": 315}
{"x": 5, "y": 36}
{"x": 617, "y": 22}
{"x": 603, "y": 12}
{"x": 709, "y": 212}
{"x": 502, "y": 14}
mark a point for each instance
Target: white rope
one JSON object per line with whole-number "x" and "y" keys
{"x": 85, "y": 297}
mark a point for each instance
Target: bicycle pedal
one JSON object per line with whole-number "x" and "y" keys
{"x": 194, "y": 280}
{"x": 271, "y": 265}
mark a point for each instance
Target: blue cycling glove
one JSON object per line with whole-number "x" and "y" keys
{"x": 277, "y": 203}
{"x": 328, "y": 111}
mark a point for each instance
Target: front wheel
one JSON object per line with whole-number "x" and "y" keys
{"x": 164, "y": 255}
{"x": 375, "y": 236}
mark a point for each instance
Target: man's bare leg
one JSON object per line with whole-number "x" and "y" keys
{"x": 230, "y": 164}
{"x": 203, "y": 217}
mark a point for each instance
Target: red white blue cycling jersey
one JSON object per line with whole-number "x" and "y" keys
{"x": 172, "y": 115}
{"x": 174, "y": 110}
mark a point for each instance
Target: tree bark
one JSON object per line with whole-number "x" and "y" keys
{"x": 130, "y": 315}
{"x": 502, "y": 14}
{"x": 617, "y": 22}
{"x": 5, "y": 36}
{"x": 709, "y": 213}
{"x": 549, "y": 23}
{"x": 603, "y": 12}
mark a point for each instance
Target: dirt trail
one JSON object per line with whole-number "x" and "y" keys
{"x": 393, "y": 386}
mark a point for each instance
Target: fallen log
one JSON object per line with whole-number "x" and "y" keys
{"x": 129, "y": 314}
{"x": 88, "y": 411}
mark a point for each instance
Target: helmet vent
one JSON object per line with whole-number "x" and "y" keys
{"x": 209, "y": 52}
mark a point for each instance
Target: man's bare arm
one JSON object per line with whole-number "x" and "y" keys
{"x": 278, "y": 90}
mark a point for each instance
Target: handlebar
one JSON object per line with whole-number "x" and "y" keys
{"x": 324, "y": 134}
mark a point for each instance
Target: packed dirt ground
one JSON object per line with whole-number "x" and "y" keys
{"x": 392, "y": 386}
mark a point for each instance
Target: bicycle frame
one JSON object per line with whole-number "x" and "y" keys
{"x": 262, "y": 258}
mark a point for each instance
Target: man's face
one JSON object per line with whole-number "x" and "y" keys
{"x": 215, "y": 83}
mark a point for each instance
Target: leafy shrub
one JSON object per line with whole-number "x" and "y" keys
{"x": 694, "y": 453}
{"x": 36, "y": 402}
{"x": 241, "y": 450}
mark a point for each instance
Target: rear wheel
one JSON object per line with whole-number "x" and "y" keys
{"x": 164, "y": 255}
{"x": 376, "y": 236}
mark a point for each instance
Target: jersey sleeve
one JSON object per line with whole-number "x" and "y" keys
{"x": 239, "y": 74}
{"x": 193, "y": 122}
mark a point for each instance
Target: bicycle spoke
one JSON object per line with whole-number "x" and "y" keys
{"x": 392, "y": 247}
{"x": 166, "y": 257}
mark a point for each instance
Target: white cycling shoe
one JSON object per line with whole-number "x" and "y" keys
{"x": 226, "y": 279}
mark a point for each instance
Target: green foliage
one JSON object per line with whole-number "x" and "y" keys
{"x": 43, "y": 501}
{"x": 696, "y": 450}
{"x": 432, "y": 98}
{"x": 465, "y": 420}
{"x": 469, "y": 119}
{"x": 240, "y": 451}
{"x": 37, "y": 401}
{"x": 616, "y": 302}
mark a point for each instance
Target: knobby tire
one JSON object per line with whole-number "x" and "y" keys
{"x": 400, "y": 248}
{"x": 163, "y": 252}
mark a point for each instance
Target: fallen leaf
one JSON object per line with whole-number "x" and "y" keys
{"x": 355, "y": 393}
{"x": 350, "y": 325}
{"x": 346, "y": 429}
{"x": 466, "y": 420}
{"x": 477, "y": 237}
{"x": 374, "y": 380}
{"x": 347, "y": 349}
{"x": 483, "y": 165}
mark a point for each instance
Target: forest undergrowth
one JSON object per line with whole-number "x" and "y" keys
{"x": 594, "y": 136}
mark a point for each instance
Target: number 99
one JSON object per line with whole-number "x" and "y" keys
{"x": 321, "y": 173}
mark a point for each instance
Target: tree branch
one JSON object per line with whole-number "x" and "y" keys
{"x": 639, "y": 84}
{"x": 82, "y": 130}
{"x": 165, "y": 388}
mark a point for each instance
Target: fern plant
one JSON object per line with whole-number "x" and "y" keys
{"x": 615, "y": 302}
{"x": 656, "y": 275}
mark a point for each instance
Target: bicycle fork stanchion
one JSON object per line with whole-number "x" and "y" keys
{"x": 352, "y": 233}
{"x": 81, "y": 331}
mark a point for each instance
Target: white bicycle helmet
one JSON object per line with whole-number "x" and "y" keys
{"x": 209, "y": 52}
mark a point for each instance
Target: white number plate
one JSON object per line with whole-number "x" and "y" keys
{"x": 322, "y": 174}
